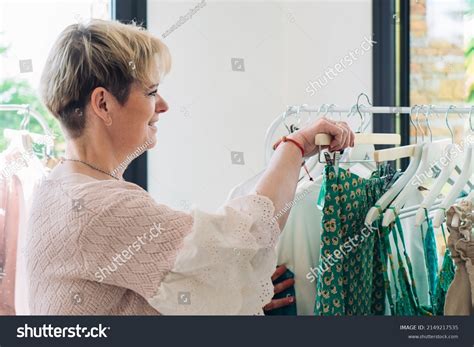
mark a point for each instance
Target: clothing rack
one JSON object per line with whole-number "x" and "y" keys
{"x": 27, "y": 112}
{"x": 47, "y": 139}
{"x": 378, "y": 109}
{"x": 332, "y": 108}
{"x": 408, "y": 212}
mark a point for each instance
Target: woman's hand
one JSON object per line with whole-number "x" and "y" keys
{"x": 343, "y": 136}
{"x": 278, "y": 288}
{"x": 279, "y": 180}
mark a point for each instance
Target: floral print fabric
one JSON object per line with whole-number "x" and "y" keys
{"x": 351, "y": 278}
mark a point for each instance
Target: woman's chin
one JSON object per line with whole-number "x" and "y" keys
{"x": 151, "y": 139}
{"x": 151, "y": 131}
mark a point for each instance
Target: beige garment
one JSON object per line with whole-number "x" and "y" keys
{"x": 460, "y": 295}
{"x": 107, "y": 248}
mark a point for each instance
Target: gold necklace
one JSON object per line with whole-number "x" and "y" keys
{"x": 91, "y": 166}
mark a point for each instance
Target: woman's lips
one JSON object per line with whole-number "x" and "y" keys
{"x": 152, "y": 123}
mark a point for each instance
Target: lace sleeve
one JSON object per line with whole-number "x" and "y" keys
{"x": 226, "y": 262}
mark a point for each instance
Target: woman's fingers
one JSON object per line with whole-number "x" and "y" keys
{"x": 280, "y": 270}
{"x": 337, "y": 132}
{"x": 352, "y": 139}
{"x": 277, "y": 303}
{"x": 278, "y": 288}
{"x": 351, "y": 135}
{"x": 347, "y": 133}
{"x": 345, "y": 140}
{"x": 340, "y": 132}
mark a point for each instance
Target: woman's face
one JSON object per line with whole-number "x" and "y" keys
{"x": 134, "y": 123}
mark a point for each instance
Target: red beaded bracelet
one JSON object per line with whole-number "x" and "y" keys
{"x": 286, "y": 139}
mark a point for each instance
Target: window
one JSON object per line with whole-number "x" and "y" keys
{"x": 28, "y": 29}
{"x": 442, "y": 60}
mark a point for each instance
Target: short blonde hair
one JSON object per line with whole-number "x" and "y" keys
{"x": 100, "y": 53}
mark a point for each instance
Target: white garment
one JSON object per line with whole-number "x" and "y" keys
{"x": 227, "y": 255}
{"x": 245, "y": 187}
{"x": 299, "y": 243}
{"x": 415, "y": 250}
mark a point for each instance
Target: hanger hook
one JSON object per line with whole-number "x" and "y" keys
{"x": 321, "y": 108}
{"x": 413, "y": 123}
{"x": 447, "y": 122}
{"x": 366, "y": 125}
{"x": 329, "y": 109}
{"x": 26, "y": 118}
{"x": 362, "y": 118}
{"x": 354, "y": 111}
{"x": 289, "y": 111}
{"x": 418, "y": 123}
{"x": 309, "y": 115}
{"x": 298, "y": 118}
{"x": 428, "y": 113}
{"x": 470, "y": 118}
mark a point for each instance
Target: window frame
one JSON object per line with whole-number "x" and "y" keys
{"x": 391, "y": 65}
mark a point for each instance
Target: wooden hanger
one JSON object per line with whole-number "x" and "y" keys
{"x": 362, "y": 139}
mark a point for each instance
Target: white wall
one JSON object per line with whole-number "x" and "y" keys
{"x": 215, "y": 110}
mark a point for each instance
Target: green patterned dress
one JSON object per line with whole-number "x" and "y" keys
{"x": 445, "y": 278}
{"x": 351, "y": 280}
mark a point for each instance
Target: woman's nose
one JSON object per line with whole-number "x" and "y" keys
{"x": 161, "y": 106}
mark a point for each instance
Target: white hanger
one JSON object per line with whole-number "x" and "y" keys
{"x": 390, "y": 195}
{"x": 359, "y": 159}
{"x": 362, "y": 138}
{"x": 441, "y": 180}
{"x": 395, "y": 153}
{"x": 464, "y": 177}
{"x": 23, "y": 139}
{"x": 430, "y": 152}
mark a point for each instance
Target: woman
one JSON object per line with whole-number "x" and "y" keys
{"x": 100, "y": 245}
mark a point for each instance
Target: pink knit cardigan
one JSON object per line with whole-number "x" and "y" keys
{"x": 107, "y": 248}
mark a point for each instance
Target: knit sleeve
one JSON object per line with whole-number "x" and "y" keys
{"x": 197, "y": 263}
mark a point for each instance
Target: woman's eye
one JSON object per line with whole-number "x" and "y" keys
{"x": 154, "y": 93}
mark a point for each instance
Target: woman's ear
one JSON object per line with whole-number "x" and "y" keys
{"x": 101, "y": 103}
